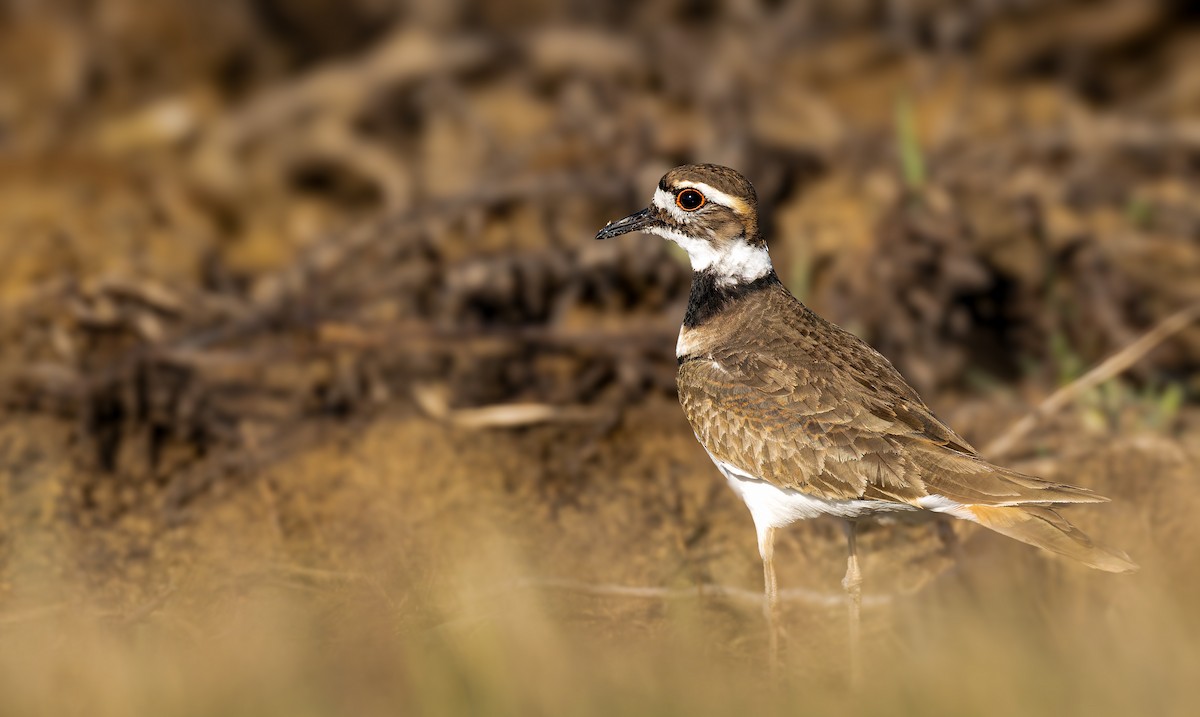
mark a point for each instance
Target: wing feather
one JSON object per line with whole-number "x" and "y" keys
{"x": 805, "y": 405}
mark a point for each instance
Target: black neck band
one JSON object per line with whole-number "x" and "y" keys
{"x": 709, "y": 297}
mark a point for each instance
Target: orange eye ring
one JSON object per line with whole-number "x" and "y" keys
{"x": 689, "y": 200}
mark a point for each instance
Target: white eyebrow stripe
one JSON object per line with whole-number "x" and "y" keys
{"x": 666, "y": 200}
{"x": 715, "y": 195}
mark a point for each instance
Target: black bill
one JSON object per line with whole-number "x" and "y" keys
{"x": 631, "y": 223}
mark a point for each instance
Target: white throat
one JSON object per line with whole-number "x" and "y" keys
{"x": 737, "y": 262}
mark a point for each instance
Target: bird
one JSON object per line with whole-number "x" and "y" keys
{"x": 805, "y": 419}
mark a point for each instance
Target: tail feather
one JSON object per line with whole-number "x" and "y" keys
{"x": 1046, "y": 529}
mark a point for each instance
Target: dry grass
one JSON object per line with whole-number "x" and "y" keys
{"x": 383, "y": 574}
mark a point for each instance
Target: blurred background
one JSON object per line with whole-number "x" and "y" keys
{"x": 317, "y": 396}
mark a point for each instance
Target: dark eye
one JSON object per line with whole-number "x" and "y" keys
{"x": 689, "y": 200}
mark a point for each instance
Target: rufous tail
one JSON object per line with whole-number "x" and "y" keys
{"x": 1046, "y": 529}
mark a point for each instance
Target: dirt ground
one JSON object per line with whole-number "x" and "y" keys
{"x": 317, "y": 397}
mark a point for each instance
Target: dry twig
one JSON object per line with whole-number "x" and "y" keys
{"x": 1110, "y": 367}
{"x": 433, "y": 401}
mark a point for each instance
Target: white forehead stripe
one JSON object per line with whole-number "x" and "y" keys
{"x": 665, "y": 201}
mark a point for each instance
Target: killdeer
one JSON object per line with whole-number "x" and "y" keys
{"x": 805, "y": 419}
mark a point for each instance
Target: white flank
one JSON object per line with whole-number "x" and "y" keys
{"x": 774, "y": 507}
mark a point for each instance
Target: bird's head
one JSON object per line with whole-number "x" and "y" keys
{"x": 712, "y": 212}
